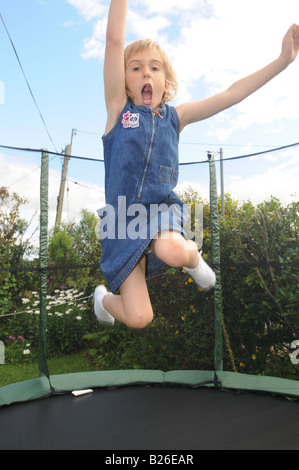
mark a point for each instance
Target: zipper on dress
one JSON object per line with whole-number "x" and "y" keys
{"x": 147, "y": 158}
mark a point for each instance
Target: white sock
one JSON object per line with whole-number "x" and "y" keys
{"x": 203, "y": 275}
{"x": 102, "y": 315}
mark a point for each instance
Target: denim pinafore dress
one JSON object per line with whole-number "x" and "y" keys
{"x": 141, "y": 170}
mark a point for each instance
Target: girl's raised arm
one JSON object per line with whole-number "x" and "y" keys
{"x": 199, "y": 110}
{"x": 114, "y": 72}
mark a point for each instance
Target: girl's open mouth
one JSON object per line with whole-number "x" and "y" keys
{"x": 147, "y": 94}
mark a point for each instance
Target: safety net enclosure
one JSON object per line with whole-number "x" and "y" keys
{"x": 246, "y": 347}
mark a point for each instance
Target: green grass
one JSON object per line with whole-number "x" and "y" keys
{"x": 61, "y": 365}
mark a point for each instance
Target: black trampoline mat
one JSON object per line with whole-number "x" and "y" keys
{"x": 152, "y": 418}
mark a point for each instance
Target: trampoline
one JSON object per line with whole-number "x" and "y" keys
{"x": 152, "y": 418}
{"x": 148, "y": 410}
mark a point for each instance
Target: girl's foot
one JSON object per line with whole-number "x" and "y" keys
{"x": 203, "y": 275}
{"x": 102, "y": 315}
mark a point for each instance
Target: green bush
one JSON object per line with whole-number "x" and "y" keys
{"x": 260, "y": 296}
{"x": 19, "y": 351}
{"x": 180, "y": 336}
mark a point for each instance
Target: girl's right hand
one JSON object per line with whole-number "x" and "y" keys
{"x": 290, "y": 45}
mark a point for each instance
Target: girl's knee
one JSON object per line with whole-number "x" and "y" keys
{"x": 140, "y": 320}
{"x": 172, "y": 248}
{"x": 180, "y": 252}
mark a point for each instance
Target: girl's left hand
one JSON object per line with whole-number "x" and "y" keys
{"x": 290, "y": 44}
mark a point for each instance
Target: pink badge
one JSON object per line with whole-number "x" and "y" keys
{"x": 130, "y": 120}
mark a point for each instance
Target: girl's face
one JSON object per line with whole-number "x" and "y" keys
{"x": 145, "y": 78}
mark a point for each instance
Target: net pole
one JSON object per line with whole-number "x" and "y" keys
{"x": 43, "y": 256}
{"x": 218, "y": 347}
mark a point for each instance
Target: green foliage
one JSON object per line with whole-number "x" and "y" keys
{"x": 260, "y": 296}
{"x": 13, "y": 248}
{"x": 75, "y": 244}
{"x": 69, "y": 318}
{"x": 180, "y": 337}
{"x": 18, "y": 351}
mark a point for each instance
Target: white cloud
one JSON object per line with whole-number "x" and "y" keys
{"x": 90, "y": 9}
{"x": 280, "y": 180}
{"x": 80, "y": 196}
{"x": 94, "y": 47}
{"x": 202, "y": 190}
{"x": 145, "y": 27}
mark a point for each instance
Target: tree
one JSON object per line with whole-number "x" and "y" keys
{"x": 260, "y": 293}
{"x": 76, "y": 244}
{"x": 13, "y": 249}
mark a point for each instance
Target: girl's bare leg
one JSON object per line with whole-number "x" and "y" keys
{"x": 172, "y": 248}
{"x": 133, "y": 306}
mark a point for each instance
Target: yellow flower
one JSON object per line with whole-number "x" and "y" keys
{"x": 190, "y": 280}
{"x": 183, "y": 318}
{"x": 241, "y": 364}
{"x": 177, "y": 332}
{"x": 254, "y": 357}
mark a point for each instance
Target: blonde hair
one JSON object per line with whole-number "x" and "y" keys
{"x": 170, "y": 75}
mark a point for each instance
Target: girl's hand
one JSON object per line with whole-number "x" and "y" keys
{"x": 290, "y": 44}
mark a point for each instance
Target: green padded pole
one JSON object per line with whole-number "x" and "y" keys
{"x": 43, "y": 256}
{"x": 218, "y": 347}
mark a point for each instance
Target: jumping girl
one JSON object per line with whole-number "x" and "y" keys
{"x": 141, "y": 168}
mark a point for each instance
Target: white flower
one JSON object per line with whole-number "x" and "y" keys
{"x": 25, "y": 301}
{"x": 78, "y": 318}
{"x": 26, "y": 352}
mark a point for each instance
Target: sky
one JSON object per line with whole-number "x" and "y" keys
{"x": 212, "y": 43}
